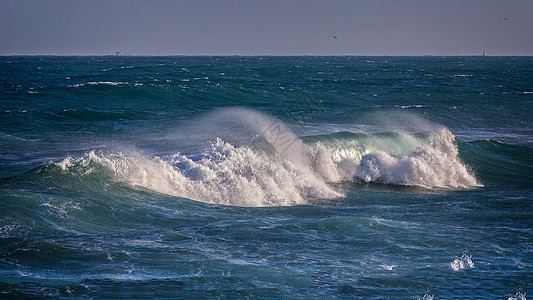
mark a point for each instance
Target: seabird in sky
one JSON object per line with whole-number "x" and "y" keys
{"x": 334, "y": 37}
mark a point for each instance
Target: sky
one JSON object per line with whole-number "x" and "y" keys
{"x": 274, "y": 27}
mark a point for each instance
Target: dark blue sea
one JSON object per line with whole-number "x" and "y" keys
{"x": 266, "y": 177}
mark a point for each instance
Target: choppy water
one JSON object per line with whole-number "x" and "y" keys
{"x": 266, "y": 177}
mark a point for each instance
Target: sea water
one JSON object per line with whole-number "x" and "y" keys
{"x": 266, "y": 177}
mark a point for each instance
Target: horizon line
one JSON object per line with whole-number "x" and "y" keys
{"x": 263, "y": 55}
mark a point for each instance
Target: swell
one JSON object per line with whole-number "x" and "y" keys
{"x": 426, "y": 159}
{"x": 266, "y": 172}
{"x": 223, "y": 174}
{"x": 85, "y": 114}
{"x": 255, "y": 175}
{"x": 499, "y": 162}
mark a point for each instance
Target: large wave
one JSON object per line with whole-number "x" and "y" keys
{"x": 433, "y": 163}
{"x": 276, "y": 168}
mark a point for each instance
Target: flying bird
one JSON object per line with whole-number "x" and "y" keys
{"x": 506, "y": 19}
{"x": 334, "y": 37}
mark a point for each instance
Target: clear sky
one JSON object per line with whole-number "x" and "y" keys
{"x": 274, "y": 27}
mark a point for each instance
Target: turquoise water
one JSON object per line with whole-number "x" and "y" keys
{"x": 266, "y": 177}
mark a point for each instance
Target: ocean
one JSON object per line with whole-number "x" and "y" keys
{"x": 266, "y": 177}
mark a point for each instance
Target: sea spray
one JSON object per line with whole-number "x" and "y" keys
{"x": 225, "y": 174}
{"x": 262, "y": 166}
{"x": 434, "y": 163}
{"x": 249, "y": 176}
{"x": 463, "y": 262}
{"x": 244, "y": 126}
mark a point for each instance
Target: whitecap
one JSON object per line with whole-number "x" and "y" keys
{"x": 107, "y": 83}
{"x": 461, "y": 263}
{"x": 435, "y": 164}
{"x": 224, "y": 174}
{"x": 517, "y": 296}
{"x": 275, "y": 168}
{"x": 387, "y": 267}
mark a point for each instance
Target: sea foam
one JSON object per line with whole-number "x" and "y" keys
{"x": 433, "y": 163}
{"x": 223, "y": 175}
{"x": 461, "y": 263}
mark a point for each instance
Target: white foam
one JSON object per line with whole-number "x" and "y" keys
{"x": 518, "y": 296}
{"x": 425, "y": 297}
{"x": 430, "y": 165}
{"x": 411, "y": 106}
{"x": 225, "y": 174}
{"x": 99, "y": 83}
{"x": 387, "y": 267}
{"x": 107, "y": 83}
{"x": 324, "y": 165}
{"x": 464, "y": 262}
{"x": 463, "y": 75}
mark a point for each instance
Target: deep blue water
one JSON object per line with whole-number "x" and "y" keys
{"x": 266, "y": 177}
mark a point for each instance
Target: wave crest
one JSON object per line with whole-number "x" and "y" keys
{"x": 433, "y": 165}
{"x": 267, "y": 172}
{"x": 224, "y": 174}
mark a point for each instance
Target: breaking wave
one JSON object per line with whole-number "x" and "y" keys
{"x": 461, "y": 263}
{"x": 277, "y": 168}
